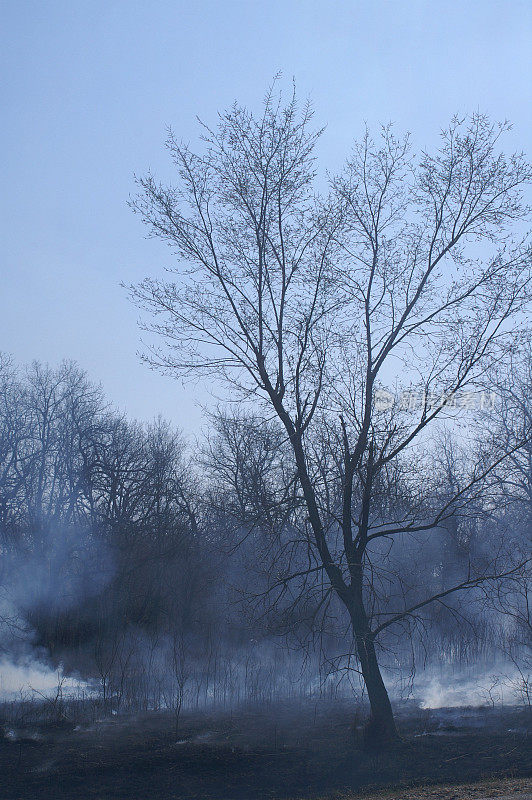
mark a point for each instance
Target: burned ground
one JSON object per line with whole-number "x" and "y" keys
{"x": 289, "y": 752}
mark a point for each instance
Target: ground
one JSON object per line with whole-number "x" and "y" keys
{"x": 267, "y": 754}
{"x": 501, "y": 789}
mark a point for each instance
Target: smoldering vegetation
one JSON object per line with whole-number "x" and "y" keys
{"x": 165, "y": 577}
{"x": 282, "y": 750}
{"x": 165, "y": 625}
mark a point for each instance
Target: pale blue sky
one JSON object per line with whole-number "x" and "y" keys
{"x": 88, "y": 88}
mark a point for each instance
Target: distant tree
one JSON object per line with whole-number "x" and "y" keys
{"x": 508, "y": 426}
{"x": 405, "y": 274}
{"x": 13, "y": 433}
{"x": 98, "y": 516}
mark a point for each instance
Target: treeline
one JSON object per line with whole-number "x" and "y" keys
{"x": 168, "y": 574}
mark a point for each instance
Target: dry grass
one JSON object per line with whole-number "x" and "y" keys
{"x": 503, "y": 789}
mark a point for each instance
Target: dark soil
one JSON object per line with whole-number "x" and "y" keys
{"x": 255, "y": 754}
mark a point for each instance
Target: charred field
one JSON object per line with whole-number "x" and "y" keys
{"x": 279, "y": 751}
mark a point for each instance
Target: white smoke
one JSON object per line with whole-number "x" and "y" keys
{"x": 502, "y": 687}
{"x": 31, "y": 678}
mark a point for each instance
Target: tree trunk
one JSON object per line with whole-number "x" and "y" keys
{"x": 380, "y": 729}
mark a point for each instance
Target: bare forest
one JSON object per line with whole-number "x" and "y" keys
{"x": 340, "y": 561}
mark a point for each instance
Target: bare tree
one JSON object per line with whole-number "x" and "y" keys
{"x": 508, "y": 426}
{"x": 406, "y": 272}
